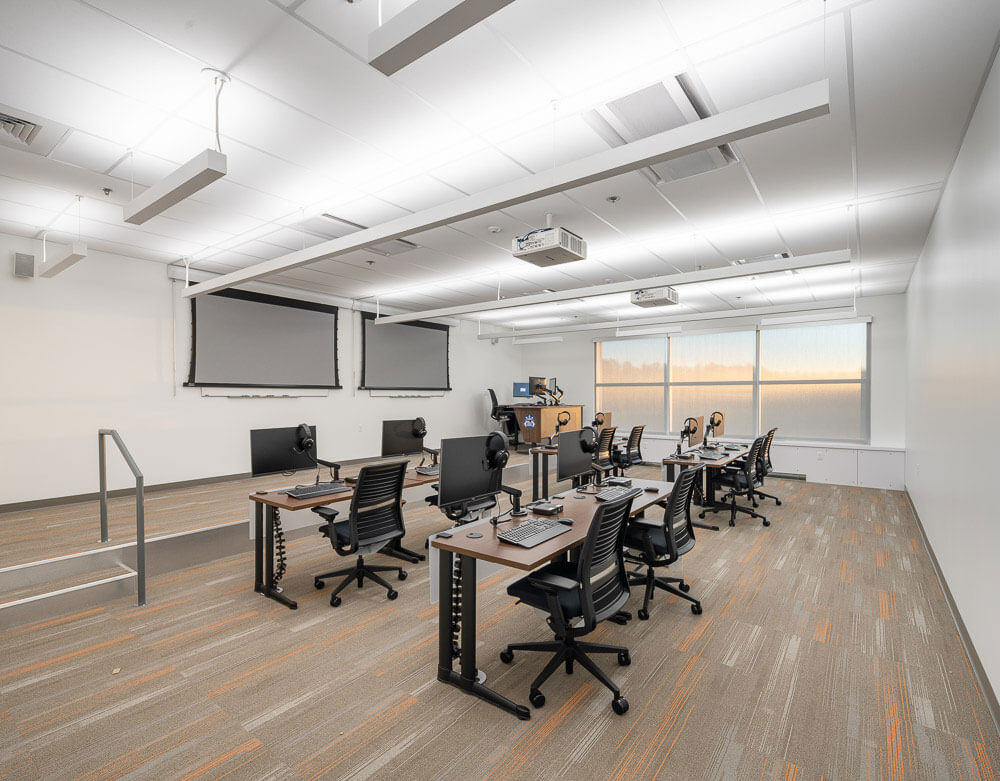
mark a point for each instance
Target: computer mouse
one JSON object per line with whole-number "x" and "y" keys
{"x": 566, "y": 521}
{"x": 651, "y": 489}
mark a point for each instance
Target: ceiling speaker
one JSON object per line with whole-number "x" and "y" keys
{"x": 24, "y": 265}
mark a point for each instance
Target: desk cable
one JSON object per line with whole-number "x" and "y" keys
{"x": 279, "y": 546}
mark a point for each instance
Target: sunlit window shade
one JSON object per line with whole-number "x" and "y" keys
{"x": 724, "y": 357}
{"x": 811, "y": 381}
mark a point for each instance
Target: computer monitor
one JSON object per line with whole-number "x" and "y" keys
{"x": 464, "y": 477}
{"x": 521, "y": 390}
{"x": 534, "y": 383}
{"x": 273, "y": 450}
{"x": 694, "y": 433}
{"x": 573, "y": 460}
{"x": 399, "y": 438}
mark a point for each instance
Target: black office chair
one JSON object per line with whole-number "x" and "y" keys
{"x": 604, "y": 453}
{"x": 741, "y": 480}
{"x": 764, "y": 467}
{"x": 632, "y": 454}
{"x": 375, "y": 523}
{"x": 505, "y": 416}
{"x": 662, "y": 544}
{"x": 578, "y": 596}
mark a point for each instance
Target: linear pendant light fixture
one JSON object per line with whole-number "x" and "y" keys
{"x": 76, "y": 251}
{"x": 198, "y": 172}
{"x": 777, "y": 111}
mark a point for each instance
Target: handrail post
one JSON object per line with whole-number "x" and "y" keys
{"x": 140, "y": 505}
{"x": 140, "y": 540}
{"x": 102, "y": 471}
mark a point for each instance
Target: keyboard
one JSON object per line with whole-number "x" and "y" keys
{"x": 533, "y": 532}
{"x": 428, "y": 470}
{"x": 312, "y": 491}
{"x": 617, "y": 492}
{"x": 713, "y": 455}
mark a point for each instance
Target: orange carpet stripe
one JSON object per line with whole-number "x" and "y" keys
{"x": 153, "y": 609}
{"x": 251, "y": 745}
{"x": 55, "y": 621}
{"x": 196, "y": 632}
{"x": 64, "y": 657}
{"x": 239, "y": 680}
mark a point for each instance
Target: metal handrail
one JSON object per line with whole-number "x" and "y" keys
{"x": 140, "y": 506}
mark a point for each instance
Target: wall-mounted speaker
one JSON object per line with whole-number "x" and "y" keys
{"x": 24, "y": 265}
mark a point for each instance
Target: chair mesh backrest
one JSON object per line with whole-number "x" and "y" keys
{"x": 602, "y": 455}
{"x": 494, "y": 404}
{"x": 750, "y": 469}
{"x": 377, "y": 507}
{"x": 766, "y": 455}
{"x": 680, "y": 536}
{"x": 601, "y": 567}
{"x": 634, "y": 442}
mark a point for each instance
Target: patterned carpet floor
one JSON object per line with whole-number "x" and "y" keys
{"x": 826, "y": 650}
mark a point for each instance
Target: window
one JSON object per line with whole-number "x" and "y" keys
{"x": 810, "y": 381}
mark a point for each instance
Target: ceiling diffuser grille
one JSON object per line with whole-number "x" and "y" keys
{"x": 654, "y": 109}
{"x": 22, "y": 130}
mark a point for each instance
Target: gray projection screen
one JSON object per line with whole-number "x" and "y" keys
{"x": 404, "y": 356}
{"x": 241, "y": 339}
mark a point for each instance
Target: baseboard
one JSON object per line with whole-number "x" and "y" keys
{"x": 55, "y": 501}
{"x": 977, "y": 666}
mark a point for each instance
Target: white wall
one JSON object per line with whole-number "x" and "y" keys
{"x": 954, "y": 379}
{"x": 93, "y": 347}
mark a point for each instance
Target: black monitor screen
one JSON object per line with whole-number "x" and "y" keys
{"x": 463, "y": 478}
{"x": 273, "y": 450}
{"x": 534, "y": 383}
{"x": 521, "y": 390}
{"x": 398, "y": 438}
{"x": 573, "y": 460}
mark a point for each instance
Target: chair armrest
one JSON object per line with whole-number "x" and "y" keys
{"x": 551, "y": 583}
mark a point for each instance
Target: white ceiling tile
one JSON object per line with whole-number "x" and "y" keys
{"x": 347, "y": 23}
{"x": 817, "y": 231}
{"x": 715, "y": 197}
{"x": 919, "y": 64}
{"x": 895, "y": 229}
{"x": 419, "y": 192}
{"x": 479, "y": 171}
{"x": 750, "y": 240}
{"x": 695, "y": 22}
{"x": 640, "y": 211}
{"x": 86, "y": 151}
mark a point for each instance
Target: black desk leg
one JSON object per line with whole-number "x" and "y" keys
{"x": 466, "y": 678}
{"x": 671, "y": 472}
{"x": 263, "y": 543}
{"x": 545, "y": 476}
{"x": 536, "y": 461}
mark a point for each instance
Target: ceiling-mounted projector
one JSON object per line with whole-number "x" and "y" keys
{"x": 655, "y": 296}
{"x": 549, "y": 247}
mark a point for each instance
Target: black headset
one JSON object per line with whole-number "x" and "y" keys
{"x": 588, "y": 439}
{"x": 496, "y": 455}
{"x": 599, "y": 419}
{"x": 306, "y": 440}
{"x": 690, "y": 427}
{"x": 715, "y": 419}
{"x": 419, "y": 428}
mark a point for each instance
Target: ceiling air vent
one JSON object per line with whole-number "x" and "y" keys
{"x": 654, "y": 109}
{"x": 327, "y": 226}
{"x": 23, "y": 130}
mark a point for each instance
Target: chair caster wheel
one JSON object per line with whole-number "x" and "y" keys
{"x": 696, "y": 609}
{"x": 643, "y": 614}
{"x": 777, "y": 502}
{"x": 392, "y": 594}
{"x": 536, "y": 698}
{"x": 620, "y": 705}
{"x": 624, "y": 658}
{"x": 335, "y": 601}
{"x": 765, "y": 522}
{"x": 318, "y": 584}
{"x": 506, "y": 656}
{"x": 402, "y": 575}
{"x": 684, "y": 587}
{"x": 701, "y": 515}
